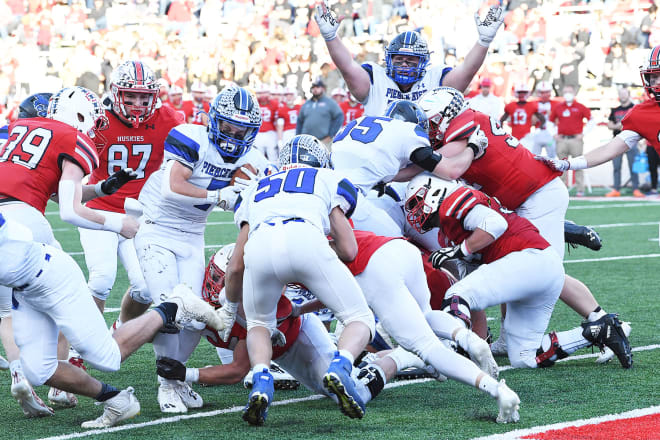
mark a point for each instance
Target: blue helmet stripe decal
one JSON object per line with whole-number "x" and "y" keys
{"x": 294, "y": 149}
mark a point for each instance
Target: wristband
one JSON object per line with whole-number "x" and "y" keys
{"x": 113, "y": 223}
{"x": 464, "y": 248}
{"x": 192, "y": 375}
{"x": 213, "y": 196}
{"x": 577, "y": 163}
{"x": 475, "y": 149}
{"x": 98, "y": 189}
{"x": 230, "y": 306}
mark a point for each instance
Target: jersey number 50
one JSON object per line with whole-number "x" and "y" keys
{"x": 297, "y": 180}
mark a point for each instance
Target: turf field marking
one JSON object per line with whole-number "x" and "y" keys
{"x": 236, "y": 409}
{"x": 624, "y": 257}
{"x": 519, "y": 433}
{"x": 624, "y": 225}
{"x": 654, "y": 203}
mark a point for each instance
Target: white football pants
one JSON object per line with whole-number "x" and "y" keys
{"x": 58, "y": 300}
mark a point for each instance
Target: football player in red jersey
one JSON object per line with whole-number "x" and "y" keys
{"x": 518, "y": 268}
{"x": 510, "y": 174}
{"x": 640, "y": 122}
{"x": 200, "y": 106}
{"x": 286, "y": 117}
{"x": 544, "y": 134}
{"x": 352, "y": 109}
{"x": 522, "y": 112}
{"x": 45, "y": 157}
{"x": 266, "y": 140}
{"x": 137, "y": 128}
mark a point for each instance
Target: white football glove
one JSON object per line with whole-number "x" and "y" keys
{"x": 327, "y": 21}
{"x": 488, "y": 28}
{"x": 278, "y": 339}
{"x": 478, "y": 141}
{"x": 227, "y": 315}
{"x": 242, "y": 184}
{"x": 227, "y": 197}
{"x": 443, "y": 254}
{"x": 554, "y": 164}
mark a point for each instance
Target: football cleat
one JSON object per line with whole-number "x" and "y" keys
{"x": 61, "y": 398}
{"x": 4, "y": 365}
{"x": 281, "y": 379}
{"x": 31, "y": 404}
{"x": 498, "y": 347}
{"x": 256, "y": 410}
{"x": 338, "y": 381}
{"x": 606, "y": 354}
{"x": 480, "y": 353}
{"x": 426, "y": 372}
{"x": 509, "y": 403}
{"x": 608, "y": 332}
{"x": 575, "y": 234}
{"x": 191, "y": 308}
{"x": 188, "y": 396}
{"x": 169, "y": 399}
{"x": 121, "y": 407}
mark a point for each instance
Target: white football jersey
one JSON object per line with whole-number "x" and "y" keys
{"x": 189, "y": 144}
{"x": 372, "y": 149}
{"x": 384, "y": 90}
{"x": 299, "y": 193}
{"x": 21, "y": 261}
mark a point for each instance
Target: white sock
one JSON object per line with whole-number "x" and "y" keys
{"x": 258, "y": 368}
{"x": 15, "y": 366}
{"x": 595, "y": 316}
{"x": 348, "y": 355}
{"x": 405, "y": 359}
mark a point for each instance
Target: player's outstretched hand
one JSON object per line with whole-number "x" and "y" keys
{"x": 227, "y": 314}
{"x": 443, "y": 254}
{"x": 489, "y": 26}
{"x": 327, "y": 21}
{"x": 560, "y": 165}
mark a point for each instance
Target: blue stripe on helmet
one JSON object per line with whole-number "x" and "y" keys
{"x": 294, "y": 149}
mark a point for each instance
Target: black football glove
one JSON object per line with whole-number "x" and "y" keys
{"x": 112, "y": 184}
{"x": 443, "y": 254}
{"x": 171, "y": 369}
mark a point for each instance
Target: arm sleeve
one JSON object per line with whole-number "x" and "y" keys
{"x": 66, "y": 192}
{"x": 486, "y": 219}
{"x": 346, "y": 197}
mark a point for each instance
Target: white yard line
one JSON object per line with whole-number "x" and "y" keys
{"x": 624, "y": 257}
{"x": 236, "y": 409}
{"x": 518, "y": 433}
{"x": 653, "y": 203}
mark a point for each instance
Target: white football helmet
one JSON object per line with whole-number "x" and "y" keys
{"x": 80, "y": 108}
{"x": 441, "y": 105}
{"x": 137, "y": 79}
{"x": 424, "y": 195}
{"x": 214, "y": 277}
{"x": 521, "y": 90}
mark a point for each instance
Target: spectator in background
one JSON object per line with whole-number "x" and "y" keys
{"x": 320, "y": 116}
{"x": 339, "y": 95}
{"x": 522, "y": 113}
{"x": 287, "y": 117}
{"x": 645, "y": 27}
{"x": 654, "y": 162}
{"x": 570, "y": 116}
{"x": 614, "y": 124}
{"x": 544, "y": 136}
{"x": 485, "y": 101}
{"x": 266, "y": 140}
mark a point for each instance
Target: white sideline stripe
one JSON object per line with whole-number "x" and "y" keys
{"x": 624, "y": 257}
{"x": 279, "y": 402}
{"x": 111, "y": 309}
{"x": 208, "y": 246}
{"x": 514, "y": 435}
{"x": 233, "y": 409}
{"x": 623, "y": 225}
{"x": 617, "y": 205}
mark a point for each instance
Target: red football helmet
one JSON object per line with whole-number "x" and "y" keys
{"x": 134, "y": 91}
{"x": 424, "y": 195}
{"x": 214, "y": 277}
{"x": 651, "y": 67}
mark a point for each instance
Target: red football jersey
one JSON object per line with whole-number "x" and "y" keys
{"x": 507, "y": 170}
{"x": 289, "y": 115}
{"x": 520, "y": 234}
{"x": 520, "y": 117}
{"x": 643, "y": 120}
{"x": 570, "y": 118}
{"x": 198, "y": 113}
{"x": 545, "y": 108}
{"x": 437, "y": 280}
{"x": 351, "y": 113}
{"x": 31, "y": 159}
{"x": 138, "y": 148}
{"x": 285, "y": 323}
{"x": 368, "y": 243}
{"x": 268, "y": 115}
{"x": 180, "y": 110}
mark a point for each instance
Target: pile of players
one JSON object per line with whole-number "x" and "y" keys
{"x": 313, "y": 220}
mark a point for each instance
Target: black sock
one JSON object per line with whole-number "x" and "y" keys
{"x": 107, "y": 392}
{"x": 167, "y": 311}
{"x": 597, "y": 309}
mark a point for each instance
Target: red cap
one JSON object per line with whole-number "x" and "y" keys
{"x": 486, "y": 82}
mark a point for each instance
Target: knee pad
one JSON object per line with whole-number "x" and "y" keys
{"x": 5, "y": 301}
{"x": 548, "y": 357}
{"x": 458, "y": 307}
{"x": 140, "y": 294}
{"x": 38, "y": 377}
{"x": 109, "y": 359}
{"x": 100, "y": 285}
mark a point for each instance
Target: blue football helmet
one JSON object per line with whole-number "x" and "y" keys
{"x": 34, "y": 106}
{"x": 234, "y": 121}
{"x": 408, "y": 111}
{"x": 407, "y": 43}
{"x": 304, "y": 150}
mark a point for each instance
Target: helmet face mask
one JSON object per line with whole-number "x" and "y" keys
{"x": 404, "y": 48}
{"x": 134, "y": 92}
{"x": 214, "y": 277}
{"x": 649, "y": 73}
{"x": 424, "y": 195}
{"x": 234, "y": 121}
{"x": 304, "y": 150}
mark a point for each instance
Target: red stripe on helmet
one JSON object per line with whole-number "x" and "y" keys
{"x": 139, "y": 73}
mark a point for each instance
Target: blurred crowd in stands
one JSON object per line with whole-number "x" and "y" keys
{"x": 594, "y": 45}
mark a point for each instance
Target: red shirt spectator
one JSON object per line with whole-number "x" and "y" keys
{"x": 570, "y": 118}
